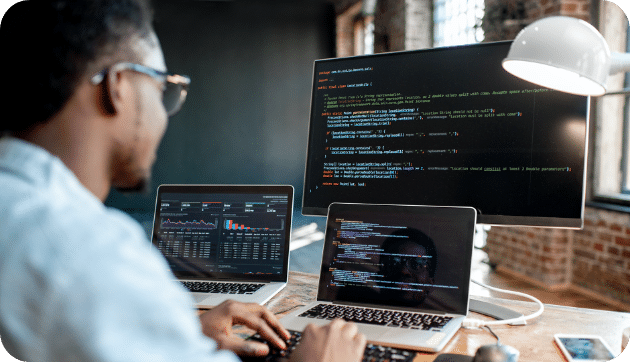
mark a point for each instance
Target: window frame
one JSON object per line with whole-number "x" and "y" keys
{"x": 625, "y": 153}
{"x": 441, "y": 18}
{"x": 608, "y": 180}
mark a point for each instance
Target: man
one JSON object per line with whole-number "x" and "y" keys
{"x": 409, "y": 258}
{"x": 90, "y": 98}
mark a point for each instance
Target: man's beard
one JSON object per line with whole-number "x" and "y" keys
{"x": 143, "y": 186}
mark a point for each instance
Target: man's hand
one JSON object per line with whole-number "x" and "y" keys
{"x": 217, "y": 324}
{"x": 336, "y": 341}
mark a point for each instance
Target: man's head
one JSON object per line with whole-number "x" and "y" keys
{"x": 49, "y": 46}
{"x": 409, "y": 257}
{"x": 99, "y": 60}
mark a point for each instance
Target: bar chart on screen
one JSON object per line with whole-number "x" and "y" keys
{"x": 233, "y": 225}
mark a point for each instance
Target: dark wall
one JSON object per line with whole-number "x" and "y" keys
{"x": 246, "y": 116}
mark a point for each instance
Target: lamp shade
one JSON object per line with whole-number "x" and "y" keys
{"x": 562, "y": 53}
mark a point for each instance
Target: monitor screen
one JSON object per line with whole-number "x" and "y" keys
{"x": 445, "y": 126}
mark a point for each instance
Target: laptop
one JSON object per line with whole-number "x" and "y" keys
{"x": 225, "y": 241}
{"x": 400, "y": 272}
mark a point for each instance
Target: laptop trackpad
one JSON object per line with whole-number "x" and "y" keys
{"x": 401, "y": 336}
{"x": 199, "y": 297}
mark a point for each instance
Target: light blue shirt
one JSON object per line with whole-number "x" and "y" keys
{"x": 80, "y": 281}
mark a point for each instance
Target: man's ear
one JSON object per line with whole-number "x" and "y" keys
{"x": 113, "y": 93}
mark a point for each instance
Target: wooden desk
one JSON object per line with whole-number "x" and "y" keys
{"x": 534, "y": 341}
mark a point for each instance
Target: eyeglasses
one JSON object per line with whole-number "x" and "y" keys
{"x": 413, "y": 263}
{"x": 175, "y": 86}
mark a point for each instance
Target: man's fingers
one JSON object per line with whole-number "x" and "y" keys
{"x": 251, "y": 315}
{"x": 274, "y": 322}
{"x": 244, "y": 348}
{"x": 350, "y": 329}
{"x": 337, "y": 323}
{"x": 336, "y": 341}
{"x": 264, "y": 322}
{"x": 266, "y": 332}
{"x": 361, "y": 342}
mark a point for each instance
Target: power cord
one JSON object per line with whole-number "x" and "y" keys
{"x": 478, "y": 323}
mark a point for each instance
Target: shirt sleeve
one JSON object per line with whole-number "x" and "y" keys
{"x": 106, "y": 295}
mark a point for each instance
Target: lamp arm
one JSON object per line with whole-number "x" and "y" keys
{"x": 619, "y": 62}
{"x": 624, "y": 91}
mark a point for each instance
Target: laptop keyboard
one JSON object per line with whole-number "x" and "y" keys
{"x": 222, "y": 288}
{"x": 378, "y": 316}
{"x": 372, "y": 352}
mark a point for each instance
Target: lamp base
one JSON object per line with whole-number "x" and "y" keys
{"x": 494, "y": 311}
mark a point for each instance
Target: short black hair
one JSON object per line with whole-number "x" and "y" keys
{"x": 402, "y": 236}
{"x": 48, "y": 45}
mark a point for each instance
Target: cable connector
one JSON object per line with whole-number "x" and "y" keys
{"x": 478, "y": 323}
{"x": 473, "y": 323}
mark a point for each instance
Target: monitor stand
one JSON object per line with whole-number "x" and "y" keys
{"x": 494, "y": 311}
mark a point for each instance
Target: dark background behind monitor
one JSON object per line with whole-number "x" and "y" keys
{"x": 544, "y": 131}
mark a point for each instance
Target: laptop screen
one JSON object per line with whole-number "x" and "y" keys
{"x": 418, "y": 257}
{"x": 235, "y": 232}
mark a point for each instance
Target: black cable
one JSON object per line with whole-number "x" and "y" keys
{"x": 495, "y": 336}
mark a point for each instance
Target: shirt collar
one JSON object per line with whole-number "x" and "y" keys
{"x": 34, "y": 164}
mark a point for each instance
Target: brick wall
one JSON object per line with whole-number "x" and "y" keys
{"x": 345, "y": 28}
{"x": 398, "y": 25}
{"x": 601, "y": 260}
{"x": 503, "y": 19}
{"x": 389, "y": 26}
{"x": 542, "y": 255}
{"x": 575, "y": 8}
{"x": 594, "y": 260}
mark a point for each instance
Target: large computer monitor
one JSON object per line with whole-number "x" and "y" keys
{"x": 445, "y": 126}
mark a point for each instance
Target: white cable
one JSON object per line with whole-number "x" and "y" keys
{"x": 478, "y": 323}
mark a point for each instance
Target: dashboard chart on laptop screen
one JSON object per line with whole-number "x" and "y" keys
{"x": 222, "y": 233}
{"x": 445, "y": 126}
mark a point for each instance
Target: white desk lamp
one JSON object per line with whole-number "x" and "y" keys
{"x": 566, "y": 54}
